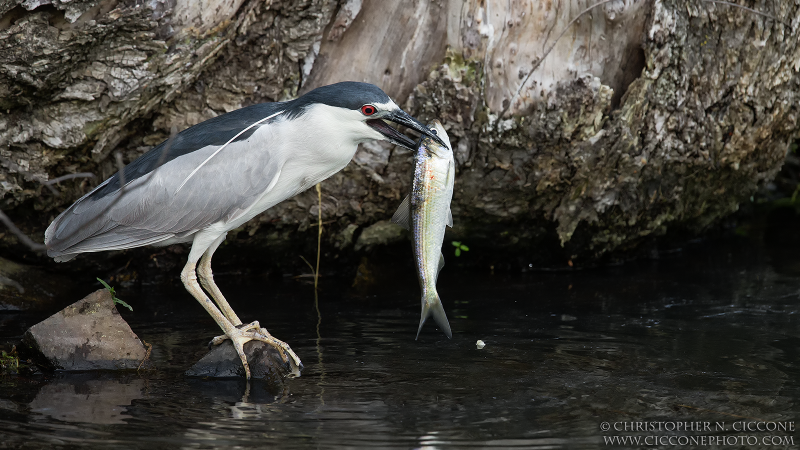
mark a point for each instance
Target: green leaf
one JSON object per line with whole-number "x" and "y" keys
{"x": 465, "y": 248}
{"x": 105, "y": 285}
{"x": 118, "y": 301}
{"x": 458, "y": 252}
{"x": 456, "y": 244}
{"x": 114, "y": 295}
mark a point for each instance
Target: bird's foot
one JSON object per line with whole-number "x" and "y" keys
{"x": 253, "y": 332}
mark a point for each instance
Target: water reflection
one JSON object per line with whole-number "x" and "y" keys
{"x": 712, "y": 335}
{"x": 244, "y": 400}
{"x": 87, "y": 398}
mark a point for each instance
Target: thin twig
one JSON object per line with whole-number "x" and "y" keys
{"x": 20, "y": 235}
{"x": 49, "y": 187}
{"x": 122, "y": 184}
{"x": 48, "y": 183}
{"x": 319, "y": 234}
{"x": 120, "y": 168}
{"x": 324, "y": 223}
{"x": 146, "y": 355}
{"x": 320, "y": 364}
{"x": 316, "y": 298}
{"x": 122, "y": 190}
{"x": 121, "y": 193}
{"x": 313, "y": 273}
{"x": 769, "y": 16}
{"x": 68, "y": 177}
{"x": 173, "y": 131}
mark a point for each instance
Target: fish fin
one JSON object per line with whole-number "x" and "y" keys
{"x": 402, "y": 216}
{"x": 441, "y": 265}
{"x": 436, "y": 309}
{"x": 450, "y": 172}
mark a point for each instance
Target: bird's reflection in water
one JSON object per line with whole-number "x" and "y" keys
{"x": 245, "y": 409}
{"x": 252, "y": 400}
{"x": 88, "y": 398}
{"x": 255, "y": 408}
{"x": 430, "y": 441}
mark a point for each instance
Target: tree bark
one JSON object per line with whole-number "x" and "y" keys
{"x": 647, "y": 116}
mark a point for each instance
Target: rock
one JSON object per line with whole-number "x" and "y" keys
{"x": 87, "y": 335}
{"x": 380, "y": 233}
{"x": 223, "y": 362}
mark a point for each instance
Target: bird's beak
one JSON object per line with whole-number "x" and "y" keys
{"x": 402, "y": 118}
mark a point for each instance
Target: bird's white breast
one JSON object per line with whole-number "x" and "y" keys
{"x": 308, "y": 149}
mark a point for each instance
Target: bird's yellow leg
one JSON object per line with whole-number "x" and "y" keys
{"x": 207, "y": 280}
{"x": 224, "y": 315}
{"x": 189, "y": 279}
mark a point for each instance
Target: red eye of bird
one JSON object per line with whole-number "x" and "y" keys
{"x": 368, "y": 110}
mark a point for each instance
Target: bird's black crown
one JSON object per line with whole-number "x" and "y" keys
{"x": 347, "y": 94}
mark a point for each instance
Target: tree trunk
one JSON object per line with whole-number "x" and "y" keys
{"x": 647, "y": 116}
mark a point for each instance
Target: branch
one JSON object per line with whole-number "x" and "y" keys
{"x": 40, "y": 247}
{"x": 49, "y": 183}
{"x": 120, "y": 168}
{"x": 20, "y": 235}
{"x": 123, "y": 187}
{"x": 68, "y": 177}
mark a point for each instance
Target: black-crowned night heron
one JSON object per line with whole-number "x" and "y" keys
{"x": 217, "y": 175}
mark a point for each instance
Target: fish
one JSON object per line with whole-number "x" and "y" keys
{"x": 425, "y": 212}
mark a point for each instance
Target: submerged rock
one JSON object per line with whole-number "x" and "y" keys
{"x": 87, "y": 335}
{"x": 223, "y": 362}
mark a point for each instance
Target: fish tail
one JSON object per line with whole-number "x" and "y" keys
{"x": 432, "y": 305}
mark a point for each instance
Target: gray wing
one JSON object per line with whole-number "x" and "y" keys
{"x": 152, "y": 208}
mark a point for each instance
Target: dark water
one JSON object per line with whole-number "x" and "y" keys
{"x": 710, "y": 335}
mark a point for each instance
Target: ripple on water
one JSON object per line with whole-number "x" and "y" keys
{"x": 699, "y": 337}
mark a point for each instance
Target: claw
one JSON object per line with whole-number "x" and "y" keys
{"x": 217, "y": 340}
{"x": 253, "y": 332}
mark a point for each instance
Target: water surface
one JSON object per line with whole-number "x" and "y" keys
{"x": 707, "y": 335}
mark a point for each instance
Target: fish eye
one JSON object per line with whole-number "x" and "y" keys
{"x": 434, "y": 132}
{"x": 368, "y": 110}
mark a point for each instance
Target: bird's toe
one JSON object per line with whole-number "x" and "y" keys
{"x": 217, "y": 340}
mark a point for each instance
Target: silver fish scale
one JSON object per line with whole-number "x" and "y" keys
{"x": 426, "y": 212}
{"x": 430, "y": 203}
